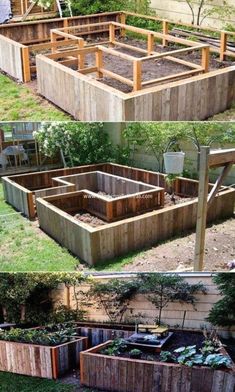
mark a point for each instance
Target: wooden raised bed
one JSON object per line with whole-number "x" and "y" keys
{"x": 118, "y": 374}
{"x": 40, "y": 361}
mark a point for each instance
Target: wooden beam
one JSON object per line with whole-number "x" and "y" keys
{"x": 165, "y": 30}
{"x": 26, "y": 64}
{"x": 113, "y": 75}
{"x": 202, "y": 209}
{"x": 99, "y": 63}
{"x": 150, "y": 43}
{"x": 137, "y": 75}
{"x": 111, "y": 34}
{"x": 223, "y": 45}
{"x": 123, "y": 21}
{"x": 219, "y": 182}
{"x": 222, "y": 157}
{"x": 205, "y": 58}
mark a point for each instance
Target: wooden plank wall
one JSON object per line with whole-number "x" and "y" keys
{"x": 30, "y": 360}
{"x": 122, "y": 374}
{"x": 17, "y": 196}
{"x": 141, "y": 232}
{"x": 40, "y": 30}
{"x": 195, "y": 98}
{"x": 10, "y": 58}
{"x": 108, "y": 242}
{"x": 101, "y": 335}
{"x": 40, "y": 361}
{"x": 85, "y": 100}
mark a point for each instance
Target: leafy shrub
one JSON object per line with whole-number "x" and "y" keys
{"x": 135, "y": 353}
{"x": 115, "y": 348}
{"x": 86, "y": 7}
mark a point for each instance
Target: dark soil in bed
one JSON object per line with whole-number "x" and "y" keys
{"x": 178, "y": 339}
{"x": 93, "y": 221}
{"x": 151, "y": 69}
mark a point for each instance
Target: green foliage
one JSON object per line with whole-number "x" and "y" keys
{"x": 217, "y": 361}
{"x": 162, "y": 289}
{"x": 114, "y": 297}
{"x": 85, "y": 7}
{"x": 38, "y": 336}
{"x": 10, "y": 382}
{"x": 166, "y": 356}
{"x": 135, "y": 353}
{"x": 80, "y": 143}
{"x": 223, "y": 311}
{"x": 115, "y": 348}
{"x": 26, "y": 297}
{"x": 158, "y": 138}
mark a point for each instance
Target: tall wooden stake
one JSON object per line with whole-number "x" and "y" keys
{"x": 202, "y": 209}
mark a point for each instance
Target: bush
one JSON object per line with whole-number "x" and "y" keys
{"x": 86, "y": 7}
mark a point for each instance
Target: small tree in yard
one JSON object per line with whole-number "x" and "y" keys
{"x": 223, "y": 312}
{"x": 162, "y": 289}
{"x": 114, "y": 297}
{"x": 202, "y": 9}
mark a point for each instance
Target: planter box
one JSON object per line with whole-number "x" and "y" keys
{"x": 134, "y": 375}
{"x": 40, "y": 361}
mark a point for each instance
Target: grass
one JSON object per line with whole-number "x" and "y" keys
{"x": 228, "y": 115}
{"x": 18, "y": 102}
{"x": 23, "y": 247}
{"x": 15, "y": 383}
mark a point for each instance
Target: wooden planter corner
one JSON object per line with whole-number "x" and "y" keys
{"x": 40, "y": 361}
{"x": 118, "y": 374}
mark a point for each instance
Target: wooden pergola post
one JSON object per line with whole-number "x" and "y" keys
{"x": 208, "y": 159}
{"x": 202, "y": 208}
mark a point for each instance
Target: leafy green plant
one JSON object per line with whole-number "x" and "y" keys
{"x": 115, "y": 348}
{"x": 185, "y": 354}
{"x": 38, "y": 336}
{"x": 166, "y": 356}
{"x": 202, "y": 9}
{"x": 135, "y": 353}
{"x": 217, "y": 361}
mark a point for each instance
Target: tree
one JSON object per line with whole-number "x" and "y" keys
{"x": 26, "y": 297}
{"x": 156, "y": 138}
{"x": 223, "y": 312}
{"x": 114, "y": 297}
{"x": 202, "y": 9}
{"x": 162, "y": 289}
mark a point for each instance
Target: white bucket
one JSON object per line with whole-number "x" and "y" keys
{"x": 174, "y": 162}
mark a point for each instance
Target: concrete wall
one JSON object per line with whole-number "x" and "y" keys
{"x": 173, "y": 313}
{"x": 178, "y": 11}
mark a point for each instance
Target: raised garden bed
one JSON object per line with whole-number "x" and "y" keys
{"x": 40, "y": 360}
{"x": 122, "y": 373}
{"x": 109, "y": 240}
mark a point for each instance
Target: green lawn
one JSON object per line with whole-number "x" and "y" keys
{"x": 14, "y": 383}
{"x": 19, "y": 103}
{"x": 24, "y": 247}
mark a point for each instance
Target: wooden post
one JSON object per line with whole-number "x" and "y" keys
{"x": 99, "y": 62}
{"x": 26, "y": 64}
{"x": 165, "y": 31}
{"x": 205, "y": 58}
{"x": 137, "y": 75}
{"x": 150, "y": 44}
{"x": 53, "y": 40}
{"x": 202, "y": 209}
{"x": 111, "y": 34}
{"x": 223, "y": 45}
{"x": 81, "y": 58}
{"x": 65, "y": 22}
{"x": 123, "y": 21}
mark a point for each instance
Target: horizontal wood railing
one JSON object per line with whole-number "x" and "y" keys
{"x": 136, "y": 83}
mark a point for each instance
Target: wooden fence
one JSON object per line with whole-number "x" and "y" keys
{"x": 40, "y": 361}
{"x": 118, "y": 374}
